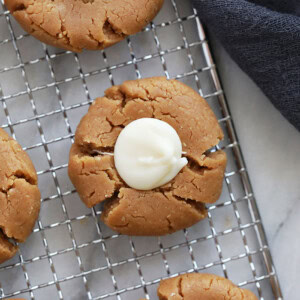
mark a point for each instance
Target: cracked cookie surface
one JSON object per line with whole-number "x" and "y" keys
{"x": 19, "y": 195}
{"x": 174, "y": 206}
{"x": 83, "y": 24}
{"x": 196, "y": 286}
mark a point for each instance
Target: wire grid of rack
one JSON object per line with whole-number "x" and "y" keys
{"x": 44, "y": 92}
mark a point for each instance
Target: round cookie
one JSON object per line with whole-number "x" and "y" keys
{"x": 174, "y": 206}
{"x": 85, "y": 24}
{"x": 197, "y": 286}
{"x": 19, "y": 195}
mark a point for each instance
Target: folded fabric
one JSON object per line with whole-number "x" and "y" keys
{"x": 263, "y": 37}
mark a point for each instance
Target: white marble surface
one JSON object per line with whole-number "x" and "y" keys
{"x": 271, "y": 148}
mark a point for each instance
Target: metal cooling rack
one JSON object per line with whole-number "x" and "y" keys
{"x": 71, "y": 254}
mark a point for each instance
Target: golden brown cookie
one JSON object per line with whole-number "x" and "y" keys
{"x": 7, "y": 249}
{"x": 19, "y": 195}
{"x": 177, "y": 204}
{"x": 83, "y": 24}
{"x": 201, "y": 287}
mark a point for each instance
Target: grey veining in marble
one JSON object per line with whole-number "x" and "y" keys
{"x": 271, "y": 148}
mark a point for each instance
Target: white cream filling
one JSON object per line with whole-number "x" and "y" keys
{"x": 148, "y": 154}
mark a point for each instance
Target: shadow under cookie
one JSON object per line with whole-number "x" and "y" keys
{"x": 173, "y": 206}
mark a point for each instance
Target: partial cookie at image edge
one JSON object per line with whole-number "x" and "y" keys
{"x": 19, "y": 195}
{"x": 201, "y": 286}
{"x": 77, "y": 25}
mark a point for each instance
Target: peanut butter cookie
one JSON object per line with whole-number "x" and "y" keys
{"x": 201, "y": 287}
{"x": 19, "y": 195}
{"x": 173, "y": 206}
{"x": 83, "y": 24}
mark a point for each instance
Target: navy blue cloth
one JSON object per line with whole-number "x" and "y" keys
{"x": 263, "y": 37}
